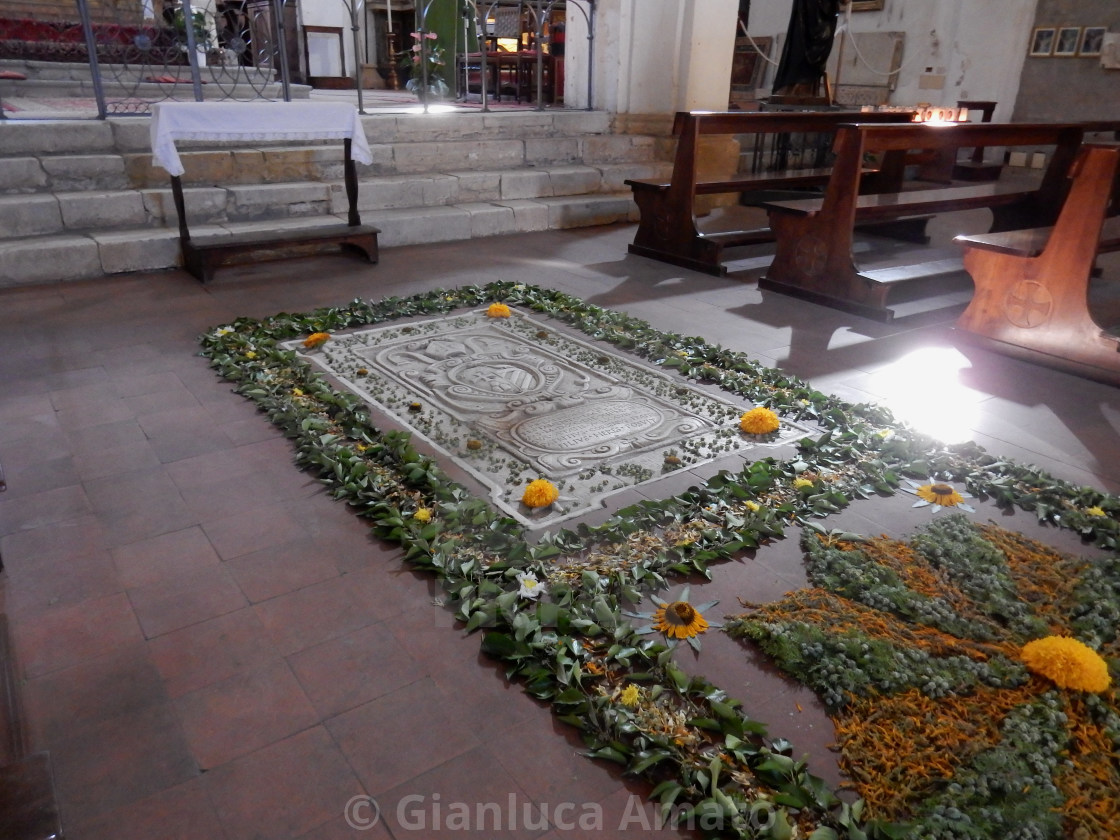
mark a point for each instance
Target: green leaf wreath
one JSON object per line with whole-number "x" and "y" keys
{"x": 554, "y": 608}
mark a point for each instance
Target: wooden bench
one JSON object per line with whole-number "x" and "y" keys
{"x": 1032, "y": 286}
{"x": 813, "y": 256}
{"x": 787, "y": 152}
{"x": 236, "y": 122}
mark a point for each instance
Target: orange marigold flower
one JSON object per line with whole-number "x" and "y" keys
{"x": 316, "y": 339}
{"x": 1068, "y": 663}
{"x": 759, "y": 421}
{"x": 498, "y": 310}
{"x": 540, "y": 493}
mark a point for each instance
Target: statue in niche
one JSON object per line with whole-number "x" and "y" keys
{"x": 812, "y": 26}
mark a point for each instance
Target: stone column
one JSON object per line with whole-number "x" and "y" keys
{"x": 653, "y": 56}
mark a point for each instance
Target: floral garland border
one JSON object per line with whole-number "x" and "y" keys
{"x": 710, "y": 764}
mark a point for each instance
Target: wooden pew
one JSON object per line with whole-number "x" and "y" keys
{"x": 1032, "y": 286}
{"x": 813, "y": 256}
{"x": 668, "y": 229}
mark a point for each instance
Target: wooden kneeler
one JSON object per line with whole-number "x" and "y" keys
{"x": 202, "y": 255}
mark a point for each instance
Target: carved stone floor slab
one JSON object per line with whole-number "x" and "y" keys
{"x": 519, "y": 398}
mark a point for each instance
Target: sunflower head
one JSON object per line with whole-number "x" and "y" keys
{"x": 679, "y": 620}
{"x": 939, "y": 493}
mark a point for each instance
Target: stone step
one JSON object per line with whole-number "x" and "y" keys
{"x": 44, "y": 214}
{"x": 68, "y": 256}
{"x": 27, "y": 173}
{"x": 156, "y": 84}
{"x": 538, "y": 130}
{"x": 80, "y": 73}
{"x": 81, "y": 199}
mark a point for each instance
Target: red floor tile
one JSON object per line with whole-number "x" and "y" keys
{"x": 400, "y": 735}
{"x": 119, "y": 761}
{"x": 69, "y": 635}
{"x": 264, "y": 526}
{"x": 164, "y": 558}
{"x": 212, "y": 651}
{"x": 281, "y": 569}
{"x": 244, "y": 713}
{"x": 348, "y": 671}
{"x": 114, "y": 685}
{"x": 52, "y": 583}
{"x": 469, "y": 795}
{"x": 312, "y": 615}
{"x": 178, "y": 813}
{"x": 185, "y": 600}
{"x": 283, "y": 790}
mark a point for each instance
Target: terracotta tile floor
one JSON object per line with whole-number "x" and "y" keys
{"x": 212, "y": 648}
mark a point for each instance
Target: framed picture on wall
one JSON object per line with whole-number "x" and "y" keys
{"x": 1092, "y": 37}
{"x": 866, "y": 5}
{"x": 1067, "y": 40}
{"x": 1042, "y": 43}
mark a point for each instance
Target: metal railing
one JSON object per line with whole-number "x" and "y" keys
{"x": 140, "y": 56}
{"x": 132, "y": 55}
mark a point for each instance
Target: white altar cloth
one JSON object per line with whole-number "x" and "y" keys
{"x": 173, "y": 121}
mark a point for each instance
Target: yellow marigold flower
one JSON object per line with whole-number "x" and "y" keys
{"x": 422, "y": 515}
{"x": 1068, "y": 662}
{"x": 753, "y": 507}
{"x": 630, "y": 695}
{"x": 316, "y": 339}
{"x": 1095, "y": 511}
{"x": 540, "y": 493}
{"x": 759, "y": 421}
{"x": 297, "y": 392}
{"x": 498, "y": 310}
{"x": 250, "y": 354}
{"x": 802, "y": 482}
{"x": 679, "y": 620}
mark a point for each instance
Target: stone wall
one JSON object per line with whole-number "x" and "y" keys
{"x": 1072, "y": 87}
{"x": 951, "y": 50}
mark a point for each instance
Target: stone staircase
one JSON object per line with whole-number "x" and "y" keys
{"x": 81, "y": 199}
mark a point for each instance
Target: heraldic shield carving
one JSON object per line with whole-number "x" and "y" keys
{"x": 535, "y": 401}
